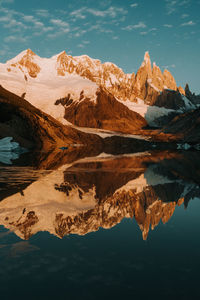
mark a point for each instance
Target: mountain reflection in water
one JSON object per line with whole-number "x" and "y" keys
{"x": 80, "y": 196}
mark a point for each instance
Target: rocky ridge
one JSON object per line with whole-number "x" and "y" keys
{"x": 108, "y": 75}
{"x": 79, "y": 79}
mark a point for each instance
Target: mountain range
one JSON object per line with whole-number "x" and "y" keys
{"x": 82, "y": 94}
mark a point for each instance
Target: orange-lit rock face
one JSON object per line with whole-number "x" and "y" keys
{"x": 181, "y": 90}
{"x": 63, "y": 64}
{"x": 157, "y": 77}
{"x": 169, "y": 80}
{"x": 106, "y": 75}
{"x": 106, "y": 113}
{"x": 27, "y": 62}
{"x": 150, "y": 82}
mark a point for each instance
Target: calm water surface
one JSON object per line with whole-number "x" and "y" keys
{"x": 106, "y": 227}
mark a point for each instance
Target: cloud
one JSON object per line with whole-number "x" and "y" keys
{"x": 6, "y": 1}
{"x": 134, "y": 5}
{"x": 111, "y": 12}
{"x": 63, "y": 28}
{"x": 97, "y": 13}
{"x": 14, "y": 38}
{"x": 168, "y": 25}
{"x": 78, "y": 14}
{"x": 190, "y": 23}
{"x": 136, "y": 26}
{"x": 184, "y": 2}
{"x": 184, "y": 16}
{"x": 4, "y": 19}
{"x": 29, "y": 19}
{"x": 173, "y": 5}
{"x": 3, "y": 52}
{"x": 15, "y": 25}
{"x": 80, "y": 33}
{"x": 42, "y": 13}
{"x": 86, "y": 42}
{"x": 153, "y": 29}
{"x": 169, "y": 66}
{"x": 59, "y": 23}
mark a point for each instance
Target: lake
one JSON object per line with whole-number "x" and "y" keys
{"x": 101, "y": 227}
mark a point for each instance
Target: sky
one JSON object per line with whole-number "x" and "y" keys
{"x": 119, "y": 31}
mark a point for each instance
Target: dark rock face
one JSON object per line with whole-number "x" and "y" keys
{"x": 195, "y": 99}
{"x": 170, "y": 99}
{"x": 33, "y": 128}
{"x": 186, "y": 126}
{"x": 106, "y": 113}
{"x": 163, "y": 120}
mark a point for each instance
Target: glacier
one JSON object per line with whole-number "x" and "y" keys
{"x": 6, "y": 144}
{"x": 9, "y": 150}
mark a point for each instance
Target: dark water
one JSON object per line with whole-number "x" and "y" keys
{"x": 106, "y": 227}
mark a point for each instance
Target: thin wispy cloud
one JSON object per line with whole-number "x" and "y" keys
{"x": 14, "y": 38}
{"x": 134, "y": 5}
{"x": 168, "y": 25}
{"x": 59, "y": 23}
{"x": 135, "y": 26}
{"x": 78, "y": 13}
{"x": 173, "y": 6}
{"x": 83, "y": 44}
{"x": 169, "y": 66}
{"x": 4, "y": 19}
{"x": 15, "y": 24}
{"x": 29, "y": 19}
{"x": 183, "y": 16}
{"x": 152, "y": 30}
{"x": 190, "y": 23}
{"x": 6, "y": 1}
{"x": 184, "y": 2}
{"x": 111, "y": 12}
{"x": 42, "y": 13}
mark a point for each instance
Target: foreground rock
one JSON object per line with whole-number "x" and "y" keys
{"x": 32, "y": 128}
{"x": 186, "y": 127}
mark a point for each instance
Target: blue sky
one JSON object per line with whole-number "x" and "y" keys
{"x": 110, "y": 30}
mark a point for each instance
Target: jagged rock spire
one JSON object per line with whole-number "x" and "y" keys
{"x": 147, "y": 57}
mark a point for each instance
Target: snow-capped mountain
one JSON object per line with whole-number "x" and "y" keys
{"x": 79, "y": 81}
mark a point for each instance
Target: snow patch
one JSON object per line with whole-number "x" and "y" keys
{"x": 150, "y": 113}
{"x": 188, "y": 103}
